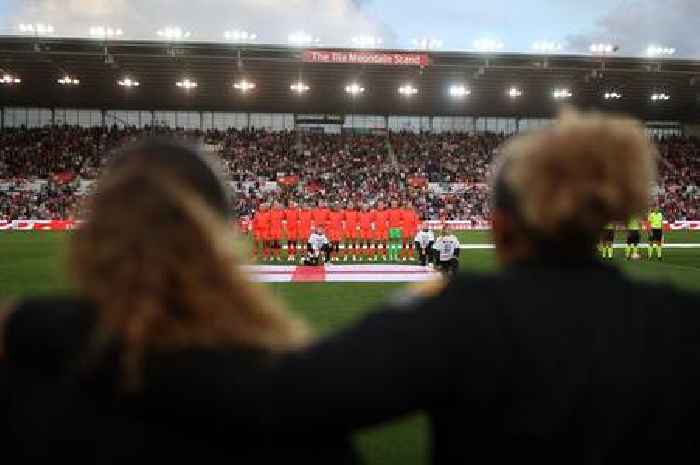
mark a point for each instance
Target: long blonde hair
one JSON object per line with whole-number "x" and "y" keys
{"x": 161, "y": 266}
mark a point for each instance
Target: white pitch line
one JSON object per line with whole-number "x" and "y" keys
{"x": 615, "y": 246}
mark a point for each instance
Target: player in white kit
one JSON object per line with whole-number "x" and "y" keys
{"x": 446, "y": 253}
{"x": 318, "y": 248}
{"x": 424, "y": 245}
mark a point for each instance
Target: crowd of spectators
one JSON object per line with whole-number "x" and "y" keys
{"x": 679, "y": 178}
{"x": 443, "y": 175}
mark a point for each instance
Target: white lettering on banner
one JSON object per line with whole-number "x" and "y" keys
{"x": 212, "y": 148}
{"x": 270, "y": 186}
{"x": 28, "y": 186}
{"x": 435, "y": 187}
{"x": 366, "y": 57}
{"x": 453, "y": 187}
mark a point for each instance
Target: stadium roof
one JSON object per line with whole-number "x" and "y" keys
{"x": 40, "y": 62}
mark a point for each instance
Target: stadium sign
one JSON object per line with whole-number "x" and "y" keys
{"x": 366, "y": 58}
{"x": 319, "y": 119}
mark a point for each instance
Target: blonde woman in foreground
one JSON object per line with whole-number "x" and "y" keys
{"x": 159, "y": 287}
{"x": 556, "y": 359}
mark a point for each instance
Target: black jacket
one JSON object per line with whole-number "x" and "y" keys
{"x": 59, "y": 410}
{"x": 543, "y": 363}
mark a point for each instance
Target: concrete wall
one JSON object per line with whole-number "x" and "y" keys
{"x": 691, "y": 130}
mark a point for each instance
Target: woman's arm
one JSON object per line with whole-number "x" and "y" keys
{"x": 406, "y": 357}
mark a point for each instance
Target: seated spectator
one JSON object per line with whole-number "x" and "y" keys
{"x": 158, "y": 286}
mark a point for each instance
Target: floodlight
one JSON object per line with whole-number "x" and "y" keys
{"x": 244, "y": 86}
{"x": 128, "y": 82}
{"x": 603, "y": 49}
{"x": 241, "y": 36}
{"x": 186, "y": 84}
{"x": 660, "y": 96}
{"x": 514, "y": 92}
{"x": 612, "y": 95}
{"x": 562, "y": 93}
{"x": 106, "y": 32}
{"x": 302, "y": 38}
{"x": 408, "y": 90}
{"x": 174, "y": 33}
{"x": 68, "y": 81}
{"x": 459, "y": 91}
{"x": 354, "y": 89}
{"x": 367, "y": 41}
{"x": 543, "y": 46}
{"x": 487, "y": 45}
{"x": 299, "y": 87}
{"x": 658, "y": 51}
{"x": 39, "y": 29}
{"x": 8, "y": 80}
{"x": 427, "y": 43}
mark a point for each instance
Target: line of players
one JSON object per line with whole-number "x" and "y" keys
{"x": 633, "y": 227}
{"x": 442, "y": 254}
{"x": 366, "y": 233}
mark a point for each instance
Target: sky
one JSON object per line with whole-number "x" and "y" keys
{"x": 630, "y": 24}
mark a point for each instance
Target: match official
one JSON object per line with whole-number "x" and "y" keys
{"x": 656, "y": 240}
{"x": 633, "y": 238}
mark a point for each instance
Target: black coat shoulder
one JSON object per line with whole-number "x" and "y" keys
{"x": 62, "y": 409}
{"x": 48, "y": 333}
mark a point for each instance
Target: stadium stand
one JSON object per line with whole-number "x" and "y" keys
{"x": 45, "y": 172}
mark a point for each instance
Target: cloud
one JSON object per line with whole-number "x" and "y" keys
{"x": 334, "y": 21}
{"x": 634, "y": 24}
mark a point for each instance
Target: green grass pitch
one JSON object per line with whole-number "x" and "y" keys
{"x": 31, "y": 263}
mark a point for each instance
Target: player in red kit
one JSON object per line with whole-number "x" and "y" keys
{"x": 305, "y": 225}
{"x": 261, "y": 232}
{"x": 365, "y": 221}
{"x": 335, "y": 231}
{"x": 410, "y": 229}
{"x": 291, "y": 216}
{"x": 276, "y": 220}
{"x": 381, "y": 229}
{"x": 320, "y": 215}
{"x": 352, "y": 218}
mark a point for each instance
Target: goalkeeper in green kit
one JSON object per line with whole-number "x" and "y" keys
{"x": 395, "y": 231}
{"x": 656, "y": 237}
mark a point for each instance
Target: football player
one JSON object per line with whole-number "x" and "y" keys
{"x": 446, "y": 253}
{"x": 318, "y": 248}
{"x": 424, "y": 241}
{"x": 350, "y": 231}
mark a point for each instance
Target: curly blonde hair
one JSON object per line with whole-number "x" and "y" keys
{"x": 161, "y": 267}
{"x": 583, "y": 172}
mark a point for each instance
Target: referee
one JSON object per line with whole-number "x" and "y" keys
{"x": 656, "y": 223}
{"x": 633, "y": 238}
{"x": 606, "y": 241}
